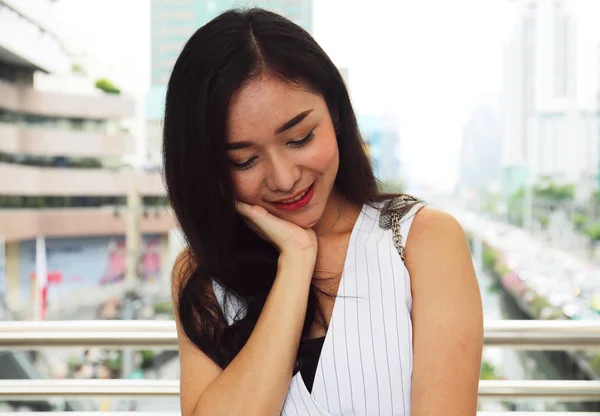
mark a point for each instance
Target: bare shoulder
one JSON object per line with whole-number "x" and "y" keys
{"x": 436, "y": 245}
{"x": 435, "y": 233}
{"x": 432, "y": 225}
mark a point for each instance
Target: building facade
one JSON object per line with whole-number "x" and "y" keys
{"x": 61, "y": 152}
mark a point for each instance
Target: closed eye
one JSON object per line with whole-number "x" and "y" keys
{"x": 304, "y": 141}
{"x": 246, "y": 164}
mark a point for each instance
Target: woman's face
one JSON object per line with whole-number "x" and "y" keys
{"x": 282, "y": 149}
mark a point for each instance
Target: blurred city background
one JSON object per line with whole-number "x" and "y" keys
{"x": 489, "y": 109}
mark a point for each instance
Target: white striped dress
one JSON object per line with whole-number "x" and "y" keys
{"x": 365, "y": 365}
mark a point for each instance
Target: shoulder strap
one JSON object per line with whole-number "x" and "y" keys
{"x": 394, "y": 213}
{"x": 397, "y": 236}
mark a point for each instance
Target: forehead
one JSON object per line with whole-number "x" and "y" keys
{"x": 263, "y": 105}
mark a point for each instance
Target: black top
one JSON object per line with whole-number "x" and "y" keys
{"x": 310, "y": 351}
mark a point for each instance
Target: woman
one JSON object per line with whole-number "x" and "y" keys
{"x": 293, "y": 296}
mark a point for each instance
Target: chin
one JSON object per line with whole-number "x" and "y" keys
{"x": 306, "y": 221}
{"x": 301, "y": 222}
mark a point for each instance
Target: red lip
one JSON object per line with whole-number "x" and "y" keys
{"x": 301, "y": 203}
{"x": 291, "y": 197}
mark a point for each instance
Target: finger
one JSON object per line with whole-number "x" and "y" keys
{"x": 242, "y": 208}
{"x": 262, "y": 220}
{"x": 253, "y": 212}
{"x": 248, "y": 214}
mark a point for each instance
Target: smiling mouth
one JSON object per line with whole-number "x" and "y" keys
{"x": 296, "y": 198}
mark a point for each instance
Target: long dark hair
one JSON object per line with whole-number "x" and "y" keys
{"x": 218, "y": 59}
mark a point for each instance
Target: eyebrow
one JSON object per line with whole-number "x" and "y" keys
{"x": 238, "y": 145}
{"x": 291, "y": 123}
{"x": 285, "y": 126}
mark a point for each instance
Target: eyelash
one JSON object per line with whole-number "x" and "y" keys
{"x": 297, "y": 144}
{"x": 304, "y": 141}
{"x": 245, "y": 165}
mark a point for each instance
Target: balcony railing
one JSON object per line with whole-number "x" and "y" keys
{"x": 179, "y": 414}
{"x": 525, "y": 335}
{"x": 22, "y": 224}
{"x": 564, "y": 390}
{"x": 529, "y": 335}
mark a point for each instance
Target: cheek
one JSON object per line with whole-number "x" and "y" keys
{"x": 325, "y": 158}
{"x": 246, "y": 185}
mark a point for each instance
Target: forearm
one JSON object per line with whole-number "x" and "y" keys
{"x": 257, "y": 380}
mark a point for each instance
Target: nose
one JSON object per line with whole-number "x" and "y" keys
{"x": 283, "y": 174}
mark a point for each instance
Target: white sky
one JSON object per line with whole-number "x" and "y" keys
{"x": 425, "y": 61}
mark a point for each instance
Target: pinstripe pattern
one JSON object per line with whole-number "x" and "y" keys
{"x": 375, "y": 402}
{"x": 392, "y": 252}
{"x": 365, "y": 367}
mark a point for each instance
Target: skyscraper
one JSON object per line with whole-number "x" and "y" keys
{"x": 172, "y": 24}
{"x": 481, "y": 144}
{"x": 549, "y": 116}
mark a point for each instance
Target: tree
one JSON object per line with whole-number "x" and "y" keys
{"x": 580, "y": 221}
{"x": 148, "y": 359}
{"x": 515, "y": 207}
{"x": 107, "y": 86}
{"x": 164, "y": 308}
{"x": 392, "y": 186}
{"x": 596, "y": 198}
{"x": 489, "y": 258}
{"x": 549, "y": 190}
{"x": 593, "y": 233}
{"x": 77, "y": 69}
{"x": 491, "y": 203}
{"x": 544, "y": 221}
{"x": 547, "y": 195}
{"x": 488, "y": 371}
{"x": 595, "y": 363}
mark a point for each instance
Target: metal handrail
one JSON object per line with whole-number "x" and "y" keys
{"x": 133, "y": 413}
{"x": 542, "y": 335}
{"x": 34, "y": 334}
{"x": 530, "y": 414}
{"x": 567, "y": 390}
{"x": 131, "y": 389}
{"x": 530, "y": 335}
{"x": 179, "y": 414}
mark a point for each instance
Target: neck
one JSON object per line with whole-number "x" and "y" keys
{"x": 331, "y": 222}
{"x": 330, "y": 213}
